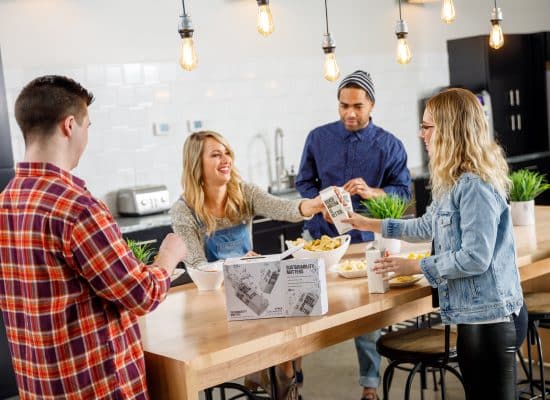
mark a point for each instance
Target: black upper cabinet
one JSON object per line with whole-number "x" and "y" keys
{"x": 6, "y": 155}
{"x": 515, "y": 77}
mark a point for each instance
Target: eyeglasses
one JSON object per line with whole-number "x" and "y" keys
{"x": 425, "y": 128}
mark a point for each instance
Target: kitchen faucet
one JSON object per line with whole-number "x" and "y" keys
{"x": 283, "y": 181}
{"x": 263, "y": 140}
{"x": 280, "y": 172}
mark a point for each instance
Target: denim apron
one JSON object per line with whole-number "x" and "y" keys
{"x": 229, "y": 242}
{"x": 224, "y": 243}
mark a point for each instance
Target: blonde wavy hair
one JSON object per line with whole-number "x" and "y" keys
{"x": 461, "y": 142}
{"x": 192, "y": 182}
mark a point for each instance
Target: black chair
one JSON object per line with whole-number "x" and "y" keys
{"x": 424, "y": 348}
{"x": 226, "y": 389}
{"x": 538, "y": 311}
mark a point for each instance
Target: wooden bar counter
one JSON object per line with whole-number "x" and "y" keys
{"x": 189, "y": 344}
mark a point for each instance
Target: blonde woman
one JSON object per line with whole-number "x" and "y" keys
{"x": 214, "y": 214}
{"x": 474, "y": 265}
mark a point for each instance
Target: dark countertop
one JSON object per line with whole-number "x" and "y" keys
{"x": 134, "y": 224}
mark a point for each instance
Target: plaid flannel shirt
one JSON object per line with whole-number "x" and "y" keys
{"x": 71, "y": 290}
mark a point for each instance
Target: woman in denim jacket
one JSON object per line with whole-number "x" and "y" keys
{"x": 474, "y": 266}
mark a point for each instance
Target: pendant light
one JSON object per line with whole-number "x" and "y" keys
{"x": 448, "y": 13}
{"x": 403, "y": 54}
{"x": 496, "y": 38}
{"x": 265, "y": 19}
{"x": 331, "y": 71}
{"x": 188, "y": 55}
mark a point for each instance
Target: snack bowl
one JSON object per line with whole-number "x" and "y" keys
{"x": 331, "y": 257}
{"x": 352, "y": 269}
{"x": 207, "y": 276}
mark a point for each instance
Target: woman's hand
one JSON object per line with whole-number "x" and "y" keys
{"x": 398, "y": 265}
{"x": 251, "y": 253}
{"x": 363, "y": 223}
{"x": 309, "y": 207}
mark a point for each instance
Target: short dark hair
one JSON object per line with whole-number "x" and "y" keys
{"x": 46, "y": 101}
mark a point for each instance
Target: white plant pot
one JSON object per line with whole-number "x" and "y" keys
{"x": 393, "y": 246}
{"x": 523, "y": 212}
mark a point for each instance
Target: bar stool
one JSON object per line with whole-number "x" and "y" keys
{"x": 245, "y": 393}
{"x": 538, "y": 311}
{"x": 424, "y": 348}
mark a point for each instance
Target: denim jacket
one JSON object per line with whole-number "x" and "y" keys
{"x": 474, "y": 268}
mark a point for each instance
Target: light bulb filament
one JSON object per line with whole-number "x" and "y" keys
{"x": 188, "y": 56}
{"x": 448, "y": 13}
{"x": 265, "y": 20}
{"x": 403, "y": 54}
{"x": 331, "y": 70}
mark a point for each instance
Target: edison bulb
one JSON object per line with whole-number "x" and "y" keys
{"x": 448, "y": 13}
{"x": 265, "y": 20}
{"x": 403, "y": 51}
{"x": 331, "y": 70}
{"x": 496, "y": 38}
{"x": 188, "y": 55}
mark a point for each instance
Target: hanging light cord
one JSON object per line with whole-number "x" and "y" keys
{"x": 183, "y": 4}
{"x": 326, "y": 15}
{"x": 400, "y": 18}
{"x": 495, "y": 4}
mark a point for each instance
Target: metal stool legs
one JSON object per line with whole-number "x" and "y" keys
{"x": 388, "y": 375}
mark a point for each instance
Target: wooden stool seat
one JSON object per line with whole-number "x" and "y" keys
{"x": 414, "y": 345}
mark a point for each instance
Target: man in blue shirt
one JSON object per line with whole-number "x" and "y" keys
{"x": 365, "y": 160}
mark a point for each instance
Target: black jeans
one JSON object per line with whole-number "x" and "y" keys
{"x": 486, "y": 356}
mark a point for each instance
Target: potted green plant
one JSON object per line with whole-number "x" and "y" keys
{"x": 526, "y": 185}
{"x": 142, "y": 251}
{"x": 389, "y": 206}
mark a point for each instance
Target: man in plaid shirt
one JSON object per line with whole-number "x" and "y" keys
{"x": 70, "y": 289}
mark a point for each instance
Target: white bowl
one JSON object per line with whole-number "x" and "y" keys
{"x": 331, "y": 257}
{"x": 207, "y": 276}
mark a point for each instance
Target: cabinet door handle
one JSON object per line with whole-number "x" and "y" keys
{"x": 282, "y": 242}
{"x": 518, "y": 118}
{"x": 511, "y": 93}
{"x": 513, "y": 122}
{"x": 517, "y": 97}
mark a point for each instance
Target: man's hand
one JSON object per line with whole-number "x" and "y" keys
{"x": 172, "y": 250}
{"x": 359, "y": 187}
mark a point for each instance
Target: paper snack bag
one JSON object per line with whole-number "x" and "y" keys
{"x": 336, "y": 209}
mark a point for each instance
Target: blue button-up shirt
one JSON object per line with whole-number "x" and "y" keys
{"x": 333, "y": 155}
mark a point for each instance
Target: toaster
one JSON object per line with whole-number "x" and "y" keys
{"x": 142, "y": 200}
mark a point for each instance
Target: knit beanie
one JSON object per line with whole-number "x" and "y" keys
{"x": 361, "y": 79}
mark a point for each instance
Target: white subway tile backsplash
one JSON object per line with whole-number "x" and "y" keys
{"x": 238, "y": 101}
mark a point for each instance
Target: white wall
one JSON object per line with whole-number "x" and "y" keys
{"x": 126, "y": 51}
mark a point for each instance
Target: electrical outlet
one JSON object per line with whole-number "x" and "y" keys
{"x": 195, "y": 125}
{"x": 161, "y": 129}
